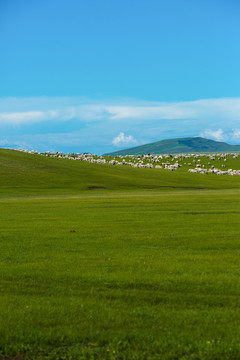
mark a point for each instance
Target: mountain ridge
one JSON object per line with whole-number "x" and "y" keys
{"x": 178, "y": 145}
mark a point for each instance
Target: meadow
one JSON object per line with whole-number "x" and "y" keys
{"x": 99, "y": 262}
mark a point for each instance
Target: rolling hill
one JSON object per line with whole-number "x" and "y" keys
{"x": 27, "y": 174}
{"x": 181, "y": 145}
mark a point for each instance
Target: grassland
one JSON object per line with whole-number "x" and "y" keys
{"x": 99, "y": 262}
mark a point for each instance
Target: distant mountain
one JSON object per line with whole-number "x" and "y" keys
{"x": 176, "y": 146}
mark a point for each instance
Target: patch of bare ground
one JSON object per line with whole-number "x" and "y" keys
{"x": 96, "y": 187}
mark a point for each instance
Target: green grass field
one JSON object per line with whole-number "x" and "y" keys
{"x": 99, "y": 262}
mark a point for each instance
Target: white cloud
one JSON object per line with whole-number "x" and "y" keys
{"x": 84, "y": 113}
{"x": 162, "y": 111}
{"x": 214, "y": 134}
{"x": 33, "y": 110}
{"x": 25, "y": 117}
{"x": 122, "y": 140}
{"x": 236, "y": 134}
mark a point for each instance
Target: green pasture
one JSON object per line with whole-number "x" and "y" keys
{"x": 145, "y": 267}
{"x": 27, "y": 174}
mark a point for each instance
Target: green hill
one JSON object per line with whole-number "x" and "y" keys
{"x": 182, "y": 145}
{"x": 27, "y": 174}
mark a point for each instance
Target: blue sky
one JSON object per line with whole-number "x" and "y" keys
{"x": 100, "y": 75}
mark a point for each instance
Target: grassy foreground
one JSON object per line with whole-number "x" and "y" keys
{"x": 129, "y": 274}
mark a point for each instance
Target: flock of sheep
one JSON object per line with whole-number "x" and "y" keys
{"x": 166, "y": 162}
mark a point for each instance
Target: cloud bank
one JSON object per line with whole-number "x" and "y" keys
{"x": 125, "y": 109}
{"x": 99, "y": 125}
{"x": 217, "y": 135}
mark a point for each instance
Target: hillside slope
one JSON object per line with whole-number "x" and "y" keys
{"x": 182, "y": 145}
{"x": 26, "y": 174}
